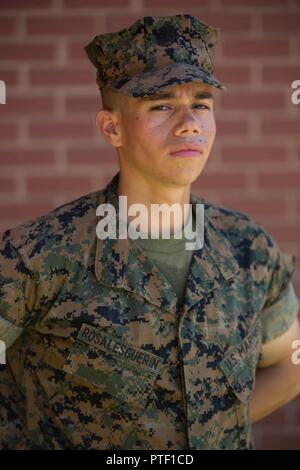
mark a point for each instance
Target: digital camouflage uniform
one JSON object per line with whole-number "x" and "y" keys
{"x": 100, "y": 355}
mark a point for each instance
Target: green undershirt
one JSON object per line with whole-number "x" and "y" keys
{"x": 171, "y": 258}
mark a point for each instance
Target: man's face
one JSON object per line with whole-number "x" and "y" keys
{"x": 152, "y": 128}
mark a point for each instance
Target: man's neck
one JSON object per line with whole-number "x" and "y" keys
{"x": 148, "y": 193}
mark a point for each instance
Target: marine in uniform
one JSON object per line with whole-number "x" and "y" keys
{"x": 107, "y": 347}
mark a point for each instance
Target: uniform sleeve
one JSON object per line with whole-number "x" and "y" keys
{"x": 280, "y": 307}
{"x": 17, "y": 292}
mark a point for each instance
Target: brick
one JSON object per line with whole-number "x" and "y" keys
{"x": 285, "y": 233}
{"x": 25, "y": 4}
{"x": 233, "y": 74}
{"x": 75, "y": 51}
{"x": 87, "y": 156}
{"x": 256, "y": 48}
{"x": 6, "y": 184}
{"x": 9, "y": 77}
{"x": 25, "y": 51}
{"x": 62, "y": 76}
{"x": 24, "y": 211}
{"x": 8, "y": 131}
{"x": 230, "y": 127}
{"x": 95, "y": 4}
{"x": 7, "y": 26}
{"x": 175, "y": 3}
{"x": 247, "y": 154}
{"x": 281, "y": 74}
{"x": 283, "y": 22}
{"x": 278, "y": 438}
{"x": 54, "y": 184}
{"x": 277, "y": 127}
{"x": 280, "y": 181}
{"x": 221, "y": 181}
{"x": 230, "y": 22}
{"x": 83, "y": 103}
{"x": 255, "y": 101}
{"x": 26, "y": 157}
{"x": 64, "y": 25}
{"x": 116, "y": 22}
{"x": 61, "y": 129}
{"x": 253, "y": 4}
{"x": 257, "y": 207}
{"x": 34, "y": 104}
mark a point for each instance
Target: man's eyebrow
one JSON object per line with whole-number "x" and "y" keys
{"x": 200, "y": 95}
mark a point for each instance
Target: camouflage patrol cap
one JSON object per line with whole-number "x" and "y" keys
{"x": 155, "y": 53}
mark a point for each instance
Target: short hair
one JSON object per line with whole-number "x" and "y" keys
{"x": 112, "y": 100}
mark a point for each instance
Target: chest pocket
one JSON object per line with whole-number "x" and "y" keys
{"x": 239, "y": 367}
{"x": 105, "y": 387}
{"x": 239, "y": 364}
{"x": 108, "y": 373}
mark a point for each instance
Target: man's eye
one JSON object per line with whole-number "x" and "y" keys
{"x": 160, "y": 107}
{"x": 203, "y": 106}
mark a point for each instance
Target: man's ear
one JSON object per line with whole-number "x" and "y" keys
{"x": 108, "y": 124}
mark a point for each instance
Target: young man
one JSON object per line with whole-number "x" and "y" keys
{"x": 116, "y": 343}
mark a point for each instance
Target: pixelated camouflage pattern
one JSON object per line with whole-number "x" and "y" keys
{"x": 155, "y": 53}
{"x": 107, "y": 359}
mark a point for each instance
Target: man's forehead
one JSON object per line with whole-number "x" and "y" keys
{"x": 197, "y": 91}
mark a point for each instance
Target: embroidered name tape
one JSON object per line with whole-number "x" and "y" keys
{"x": 109, "y": 344}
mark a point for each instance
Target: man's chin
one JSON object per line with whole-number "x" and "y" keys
{"x": 182, "y": 178}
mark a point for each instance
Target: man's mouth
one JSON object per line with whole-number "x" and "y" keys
{"x": 186, "y": 153}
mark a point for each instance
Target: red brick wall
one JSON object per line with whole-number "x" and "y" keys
{"x": 50, "y": 151}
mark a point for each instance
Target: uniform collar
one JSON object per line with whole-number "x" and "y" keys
{"x": 122, "y": 264}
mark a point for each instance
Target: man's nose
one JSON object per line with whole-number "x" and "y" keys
{"x": 187, "y": 124}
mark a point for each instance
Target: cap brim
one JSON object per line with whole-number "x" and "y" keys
{"x": 149, "y": 83}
